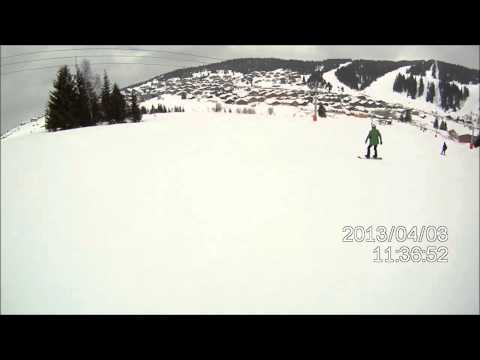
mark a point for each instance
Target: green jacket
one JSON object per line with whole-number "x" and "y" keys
{"x": 374, "y": 136}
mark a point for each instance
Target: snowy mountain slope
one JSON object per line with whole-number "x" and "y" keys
{"x": 229, "y": 213}
{"x": 33, "y": 126}
{"x": 229, "y": 86}
{"x": 331, "y": 78}
{"x": 381, "y": 89}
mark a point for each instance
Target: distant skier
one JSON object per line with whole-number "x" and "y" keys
{"x": 476, "y": 142}
{"x": 375, "y": 137}
{"x": 444, "y": 148}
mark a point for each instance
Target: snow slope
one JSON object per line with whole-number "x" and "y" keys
{"x": 229, "y": 213}
{"x": 330, "y": 77}
{"x": 31, "y": 127}
{"x": 382, "y": 89}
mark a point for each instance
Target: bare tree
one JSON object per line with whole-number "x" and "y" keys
{"x": 94, "y": 79}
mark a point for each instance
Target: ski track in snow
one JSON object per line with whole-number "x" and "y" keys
{"x": 228, "y": 213}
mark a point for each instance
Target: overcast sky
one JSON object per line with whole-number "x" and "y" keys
{"x": 25, "y": 94}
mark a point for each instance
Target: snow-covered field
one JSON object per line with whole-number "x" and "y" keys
{"x": 232, "y": 213}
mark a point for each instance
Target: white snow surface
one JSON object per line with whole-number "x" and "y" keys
{"x": 231, "y": 213}
{"x": 30, "y": 127}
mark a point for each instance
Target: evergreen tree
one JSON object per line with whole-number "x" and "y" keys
{"x": 398, "y": 84}
{"x": 117, "y": 105}
{"x": 96, "y": 110}
{"x": 443, "y": 125}
{"x": 59, "y": 113}
{"x": 321, "y": 110}
{"x": 431, "y": 92}
{"x": 443, "y": 94}
{"x": 152, "y": 110}
{"x": 408, "y": 116}
{"x": 135, "y": 111}
{"x": 105, "y": 98}
{"x": 435, "y": 123}
{"x": 421, "y": 88}
{"x": 81, "y": 108}
{"x": 412, "y": 87}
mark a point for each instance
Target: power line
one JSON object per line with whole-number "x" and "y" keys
{"x": 106, "y": 63}
{"x": 112, "y": 48}
{"x": 91, "y": 56}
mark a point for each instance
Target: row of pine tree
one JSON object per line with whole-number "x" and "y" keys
{"x": 443, "y": 125}
{"x": 451, "y": 95}
{"x": 161, "y": 109}
{"x": 77, "y": 101}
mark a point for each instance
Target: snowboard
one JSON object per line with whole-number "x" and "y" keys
{"x": 370, "y": 158}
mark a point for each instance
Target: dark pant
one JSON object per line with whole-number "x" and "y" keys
{"x": 443, "y": 151}
{"x": 374, "y": 148}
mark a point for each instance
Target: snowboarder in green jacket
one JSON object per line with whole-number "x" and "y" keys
{"x": 375, "y": 137}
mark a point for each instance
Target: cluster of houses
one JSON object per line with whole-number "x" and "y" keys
{"x": 279, "y": 87}
{"x": 224, "y": 86}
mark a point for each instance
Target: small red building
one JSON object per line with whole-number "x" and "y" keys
{"x": 465, "y": 138}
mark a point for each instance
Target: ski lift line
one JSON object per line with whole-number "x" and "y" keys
{"x": 106, "y": 63}
{"x": 90, "y": 56}
{"x": 112, "y": 48}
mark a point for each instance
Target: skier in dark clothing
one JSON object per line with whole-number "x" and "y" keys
{"x": 444, "y": 148}
{"x": 476, "y": 142}
{"x": 375, "y": 137}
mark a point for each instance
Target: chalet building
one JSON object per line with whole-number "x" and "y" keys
{"x": 361, "y": 115}
{"x": 465, "y": 138}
